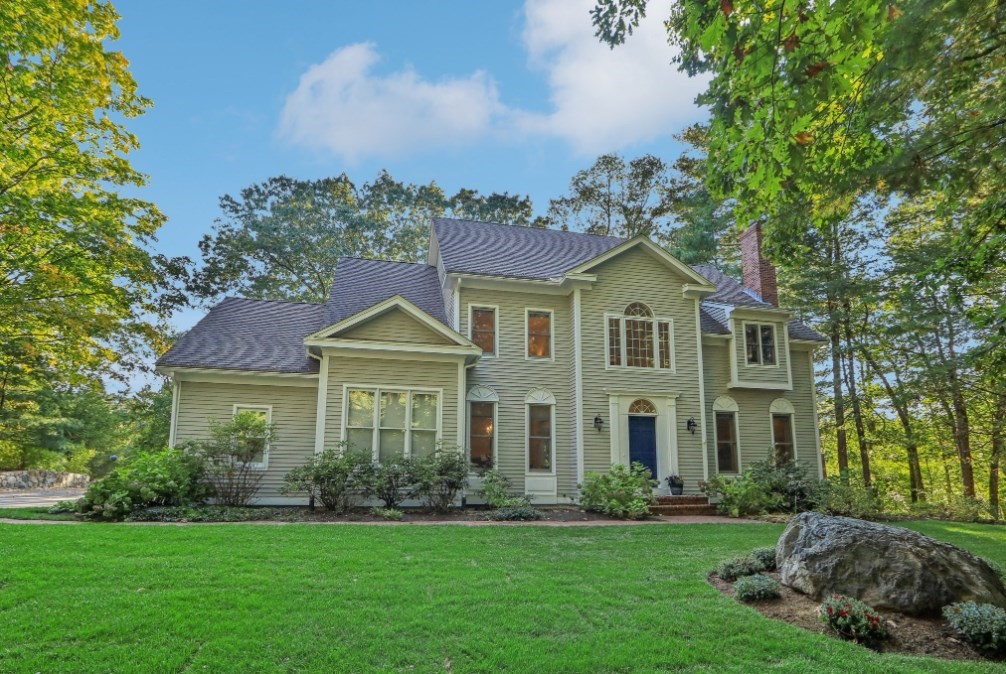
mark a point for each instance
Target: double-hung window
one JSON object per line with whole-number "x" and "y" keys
{"x": 759, "y": 343}
{"x": 539, "y": 334}
{"x": 782, "y": 437}
{"x": 481, "y": 432}
{"x": 389, "y": 423}
{"x": 638, "y": 339}
{"x": 539, "y": 437}
{"x": 259, "y": 445}
{"x": 483, "y": 329}
{"x": 726, "y": 442}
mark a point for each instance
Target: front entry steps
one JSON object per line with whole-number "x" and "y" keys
{"x": 671, "y": 506}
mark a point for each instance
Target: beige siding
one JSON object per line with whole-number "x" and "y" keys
{"x": 754, "y": 418}
{"x": 512, "y": 376}
{"x": 637, "y": 276}
{"x": 766, "y": 374}
{"x": 422, "y": 372}
{"x": 294, "y": 409}
{"x": 395, "y": 326}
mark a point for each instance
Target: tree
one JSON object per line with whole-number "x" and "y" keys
{"x": 281, "y": 239}
{"x": 79, "y": 290}
{"x": 615, "y": 198}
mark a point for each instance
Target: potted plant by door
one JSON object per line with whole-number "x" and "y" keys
{"x": 676, "y": 484}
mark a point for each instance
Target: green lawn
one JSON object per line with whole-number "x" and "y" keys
{"x": 316, "y": 598}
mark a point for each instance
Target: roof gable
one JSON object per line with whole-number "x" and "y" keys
{"x": 644, "y": 244}
{"x": 345, "y": 328}
{"x": 395, "y": 325}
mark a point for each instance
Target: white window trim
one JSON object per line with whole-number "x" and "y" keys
{"x": 551, "y": 333}
{"x": 264, "y": 464}
{"x": 495, "y": 438}
{"x": 737, "y": 440}
{"x": 376, "y": 429}
{"x": 496, "y": 327}
{"x": 672, "y": 361}
{"x": 775, "y": 342}
{"x": 527, "y": 439}
{"x": 783, "y": 407}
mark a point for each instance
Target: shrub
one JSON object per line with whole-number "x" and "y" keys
{"x": 440, "y": 477}
{"x": 997, "y": 568}
{"x": 741, "y": 496}
{"x": 62, "y": 507}
{"x": 757, "y": 588}
{"x": 852, "y": 619}
{"x": 391, "y": 514}
{"x": 766, "y": 556}
{"x": 984, "y": 625}
{"x": 335, "y": 477}
{"x": 168, "y": 477}
{"x": 789, "y": 483}
{"x": 517, "y": 513}
{"x": 738, "y": 567}
{"x": 206, "y": 514}
{"x": 622, "y": 492}
{"x": 232, "y": 454}
{"x": 390, "y": 481}
{"x": 496, "y": 491}
{"x": 847, "y": 496}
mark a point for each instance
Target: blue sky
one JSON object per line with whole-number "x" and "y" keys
{"x": 496, "y": 96}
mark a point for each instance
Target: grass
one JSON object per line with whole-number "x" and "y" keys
{"x": 38, "y": 513}
{"x": 357, "y": 598}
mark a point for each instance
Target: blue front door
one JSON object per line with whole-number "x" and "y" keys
{"x": 643, "y": 442}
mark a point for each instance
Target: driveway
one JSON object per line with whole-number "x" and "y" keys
{"x": 32, "y": 498}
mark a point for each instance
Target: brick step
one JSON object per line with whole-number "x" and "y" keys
{"x": 682, "y": 500}
{"x": 682, "y": 510}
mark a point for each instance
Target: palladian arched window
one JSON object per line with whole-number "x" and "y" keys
{"x": 638, "y": 339}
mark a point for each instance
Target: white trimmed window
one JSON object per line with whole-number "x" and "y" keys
{"x": 482, "y": 329}
{"x": 540, "y": 411}
{"x": 760, "y": 344}
{"x": 392, "y": 422}
{"x": 783, "y": 435}
{"x": 262, "y": 451}
{"x": 725, "y": 413}
{"x": 482, "y": 402}
{"x": 636, "y": 338}
{"x": 538, "y": 329}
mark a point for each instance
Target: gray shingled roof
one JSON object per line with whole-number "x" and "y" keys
{"x": 471, "y": 247}
{"x": 360, "y": 284}
{"x": 243, "y": 334}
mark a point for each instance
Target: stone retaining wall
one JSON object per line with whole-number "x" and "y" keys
{"x": 41, "y": 479}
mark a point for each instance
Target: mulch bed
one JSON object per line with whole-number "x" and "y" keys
{"x": 909, "y": 635}
{"x": 469, "y": 514}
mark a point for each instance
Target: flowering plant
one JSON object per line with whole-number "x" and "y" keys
{"x": 852, "y": 619}
{"x": 675, "y": 480}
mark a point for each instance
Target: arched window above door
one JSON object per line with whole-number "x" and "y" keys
{"x": 642, "y": 406}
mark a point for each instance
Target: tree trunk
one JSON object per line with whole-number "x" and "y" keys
{"x": 836, "y": 375}
{"x": 857, "y": 409}
{"x": 998, "y": 453}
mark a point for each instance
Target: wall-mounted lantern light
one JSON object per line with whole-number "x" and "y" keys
{"x": 598, "y": 423}
{"x": 691, "y": 425}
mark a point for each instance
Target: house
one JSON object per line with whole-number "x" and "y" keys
{"x": 545, "y": 353}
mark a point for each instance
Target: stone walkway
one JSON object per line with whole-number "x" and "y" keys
{"x": 36, "y": 498}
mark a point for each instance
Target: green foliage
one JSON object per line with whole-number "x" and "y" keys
{"x": 390, "y": 481}
{"x": 281, "y": 239}
{"x": 440, "y": 477}
{"x": 206, "y": 513}
{"x": 741, "y": 496}
{"x": 852, "y": 619}
{"x": 984, "y": 625}
{"x": 625, "y": 493}
{"x": 738, "y": 567}
{"x": 496, "y": 491}
{"x": 232, "y": 455}
{"x": 147, "y": 417}
{"x": 62, "y": 507}
{"x": 763, "y": 487}
{"x": 848, "y": 497}
{"x": 998, "y": 568}
{"x": 82, "y": 295}
{"x": 168, "y": 477}
{"x": 336, "y": 477}
{"x": 514, "y": 513}
{"x": 758, "y": 587}
{"x": 765, "y": 556}
{"x": 390, "y": 514}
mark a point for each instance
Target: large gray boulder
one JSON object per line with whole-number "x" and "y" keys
{"x": 887, "y": 567}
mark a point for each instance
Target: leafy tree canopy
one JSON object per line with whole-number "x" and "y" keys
{"x": 280, "y": 239}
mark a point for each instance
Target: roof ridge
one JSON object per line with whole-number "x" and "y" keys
{"x": 531, "y": 227}
{"x": 256, "y": 299}
{"x": 377, "y": 259}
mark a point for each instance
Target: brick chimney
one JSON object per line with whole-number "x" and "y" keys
{"x": 759, "y": 273}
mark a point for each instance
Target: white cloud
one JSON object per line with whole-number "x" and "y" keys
{"x": 604, "y": 99}
{"x": 601, "y": 99}
{"x": 341, "y": 105}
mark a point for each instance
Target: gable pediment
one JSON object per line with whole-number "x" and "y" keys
{"x": 640, "y": 245}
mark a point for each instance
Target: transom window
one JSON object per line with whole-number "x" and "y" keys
{"x": 392, "y": 423}
{"x": 539, "y": 333}
{"x": 483, "y": 329}
{"x": 637, "y": 339}
{"x": 642, "y": 406}
{"x": 759, "y": 343}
